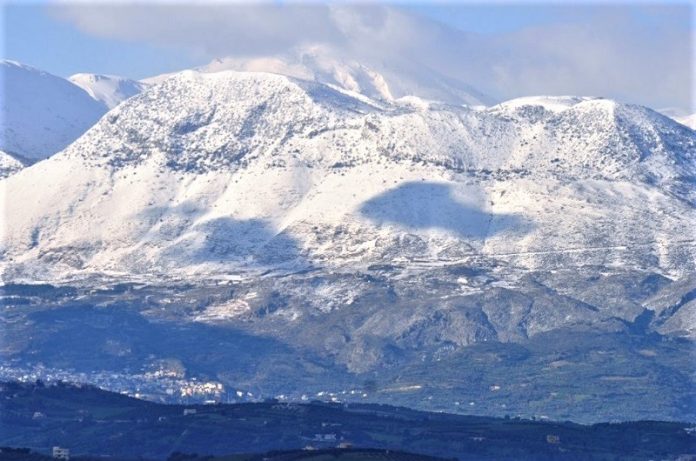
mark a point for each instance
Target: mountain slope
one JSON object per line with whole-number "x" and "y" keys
{"x": 110, "y": 90}
{"x": 280, "y": 234}
{"x": 9, "y": 165}
{"x": 41, "y": 113}
{"x": 230, "y": 170}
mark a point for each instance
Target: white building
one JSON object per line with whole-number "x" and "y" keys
{"x": 61, "y": 453}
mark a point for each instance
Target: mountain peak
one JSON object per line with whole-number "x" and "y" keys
{"x": 110, "y": 90}
{"x": 385, "y": 80}
{"x": 205, "y": 120}
{"x": 551, "y": 103}
{"x": 42, "y": 113}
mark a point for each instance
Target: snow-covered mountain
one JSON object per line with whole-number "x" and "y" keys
{"x": 214, "y": 172}
{"x": 386, "y": 80}
{"x": 500, "y": 256}
{"x": 110, "y": 90}
{"x": 41, "y": 113}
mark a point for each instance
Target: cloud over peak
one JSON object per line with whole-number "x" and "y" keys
{"x": 633, "y": 54}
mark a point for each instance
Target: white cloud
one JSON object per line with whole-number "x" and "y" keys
{"x": 598, "y": 50}
{"x": 209, "y": 30}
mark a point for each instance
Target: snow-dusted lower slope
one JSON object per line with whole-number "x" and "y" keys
{"x": 41, "y": 113}
{"x": 110, "y": 90}
{"x": 218, "y": 172}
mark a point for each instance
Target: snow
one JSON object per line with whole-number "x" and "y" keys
{"x": 109, "y": 90}
{"x": 680, "y": 116}
{"x": 218, "y": 173}
{"x": 41, "y": 113}
{"x": 386, "y": 79}
{"x": 551, "y": 103}
{"x": 689, "y": 120}
{"x": 9, "y": 165}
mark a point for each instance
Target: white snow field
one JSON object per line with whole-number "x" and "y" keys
{"x": 110, "y": 90}
{"x": 41, "y": 113}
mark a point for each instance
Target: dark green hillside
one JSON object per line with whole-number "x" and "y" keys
{"x": 331, "y": 454}
{"x": 90, "y": 421}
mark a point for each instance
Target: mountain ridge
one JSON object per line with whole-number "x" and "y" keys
{"x": 109, "y": 90}
{"x": 384, "y": 80}
{"x": 214, "y": 138}
{"x": 41, "y": 113}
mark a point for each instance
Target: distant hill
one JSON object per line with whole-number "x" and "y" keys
{"x": 305, "y": 454}
{"x": 90, "y": 421}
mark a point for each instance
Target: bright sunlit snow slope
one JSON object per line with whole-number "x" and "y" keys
{"x": 211, "y": 172}
{"x": 110, "y": 90}
{"x": 41, "y": 113}
{"x": 689, "y": 120}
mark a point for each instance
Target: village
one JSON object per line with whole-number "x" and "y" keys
{"x": 167, "y": 387}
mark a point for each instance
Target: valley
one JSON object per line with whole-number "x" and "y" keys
{"x": 488, "y": 350}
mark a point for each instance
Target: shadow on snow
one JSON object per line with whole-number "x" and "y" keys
{"x": 222, "y": 239}
{"x": 425, "y": 205}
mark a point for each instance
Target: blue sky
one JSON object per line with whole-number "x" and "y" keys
{"x": 34, "y": 36}
{"x": 584, "y": 48}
